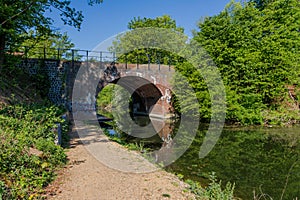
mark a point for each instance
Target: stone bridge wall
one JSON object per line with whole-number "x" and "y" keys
{"x": 62, "y": 75}
{"x": 55, "y": 70}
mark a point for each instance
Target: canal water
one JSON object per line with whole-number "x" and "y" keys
{"x": 260, "y": 161}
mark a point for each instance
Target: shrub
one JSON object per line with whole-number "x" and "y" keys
{"x": 213, "y": 191}
{"x": 28, "y": 153}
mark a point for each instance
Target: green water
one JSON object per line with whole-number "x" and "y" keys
{"x": 261, "y": 161}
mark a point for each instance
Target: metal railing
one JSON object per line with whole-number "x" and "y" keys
{"x": 83, "y": 56}
{"x": 66, "y": 54}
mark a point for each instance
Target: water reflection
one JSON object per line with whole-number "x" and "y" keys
{"x": 258, "y": 162}
{"x": 164, "y": 128}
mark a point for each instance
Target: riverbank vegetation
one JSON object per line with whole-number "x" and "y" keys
{"x": 29, "y": 149}
{"x": 256, "y": 48}
{"x": 29, "y": 156}
{"x": 29, "y": 153}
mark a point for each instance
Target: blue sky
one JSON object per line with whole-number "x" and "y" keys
{"x": 112, "y": 16}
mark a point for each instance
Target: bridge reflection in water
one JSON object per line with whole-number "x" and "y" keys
{"x": 161, "y": 134}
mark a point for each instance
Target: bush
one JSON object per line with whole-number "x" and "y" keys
{"x": 213, "y": 191}
{"x": 28, "y": 153}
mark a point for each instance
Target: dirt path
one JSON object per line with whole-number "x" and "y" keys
{"x": 88, "y": 178}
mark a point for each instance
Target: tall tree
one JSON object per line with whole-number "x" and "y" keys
{"x": 18, "y": 17}
{"x": 164, "y": 21}
{"x": 145, "y": 55}
{"x": 257, "y": 51}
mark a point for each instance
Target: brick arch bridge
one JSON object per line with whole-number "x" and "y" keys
{"x": 151, "y": 83}
{"x": 149, "y": 86}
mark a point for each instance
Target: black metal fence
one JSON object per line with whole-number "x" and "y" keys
{"x": 102, "y": 57}
{"x": 65, "y": 54}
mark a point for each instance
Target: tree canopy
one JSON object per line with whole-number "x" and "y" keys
{"x": 256, "y": 48}
{"x": 164, "y": 21}
{"x": 56, "y": 46}
{"x": 18, "y": 17}
{"x": 137, "y": 35}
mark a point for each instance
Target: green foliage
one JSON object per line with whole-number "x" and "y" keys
{"x": 213, "y": 191}
{"x": 281, "y": 117}
{"x": 166, "y": 195}
{"x": 104, "y": 100}
{"x": 54, "y": 46}
{"x": 10, "y": 69}
{"x": 164, "y": 21}
{"x": 28, "y": 154}
{"x": 19, "y": 17}
{"x": 257, "y": 53}
{"x": 136, "y": 40}
{"x": 195, "y": 81}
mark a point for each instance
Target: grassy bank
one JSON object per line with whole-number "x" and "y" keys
{"x": 29, "y": 156}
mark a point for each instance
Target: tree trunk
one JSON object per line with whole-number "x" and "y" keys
{"x": 2, "y": 52}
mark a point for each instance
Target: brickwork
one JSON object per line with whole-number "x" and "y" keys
{"x": 62, "y": 75}
{"x": 55, "y": 71}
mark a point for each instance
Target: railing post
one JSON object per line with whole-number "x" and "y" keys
{"x": 126, "y": 61}
{"x": 73, "y": 58}
{"x": 100, "y": 59}
{"x": 87, "y": 56}
{"x": 59, "y": 133}
{"x": 114, "y": 56}
{"x": 58, "y": 54}
{"x": 158, "y": 60}
{"x": 148, "y": 55}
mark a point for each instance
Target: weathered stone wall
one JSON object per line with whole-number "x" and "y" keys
{"x": 61, "y": 75}
{"x": 55, "y": 72}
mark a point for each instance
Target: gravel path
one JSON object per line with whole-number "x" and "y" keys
{"x": 86, "y": 177}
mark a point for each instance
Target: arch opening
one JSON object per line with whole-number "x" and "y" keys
{"x": 143, "y": 95}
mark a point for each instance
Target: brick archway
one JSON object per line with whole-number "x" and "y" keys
{"x": 144, "y": 93}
